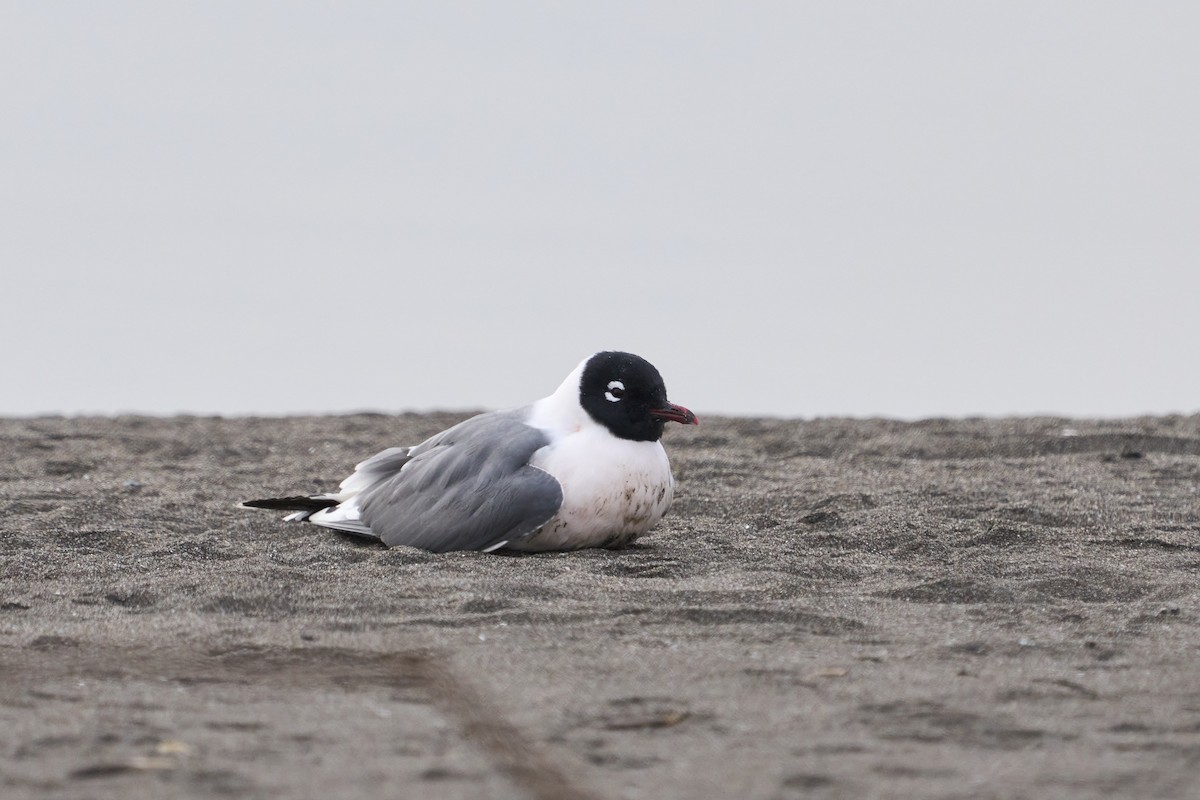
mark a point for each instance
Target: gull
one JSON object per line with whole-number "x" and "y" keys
{"x": 583, "y": 467}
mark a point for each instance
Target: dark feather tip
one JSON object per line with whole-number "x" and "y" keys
{"x": 298, "y": 503}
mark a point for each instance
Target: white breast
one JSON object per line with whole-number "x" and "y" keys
{"x": 614, "y": 490}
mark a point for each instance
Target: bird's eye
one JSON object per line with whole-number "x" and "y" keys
{"x": 616, "y": 390}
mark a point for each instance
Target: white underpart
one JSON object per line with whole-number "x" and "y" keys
{"x": 614, "y": 489}
{"x": 344, "y": 517}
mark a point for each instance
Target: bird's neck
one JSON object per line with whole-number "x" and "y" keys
{"x": 561, "y": 412}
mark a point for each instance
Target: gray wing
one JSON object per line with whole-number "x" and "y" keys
{"x": 345, "y": 515}
{"x": 467, "y": 488}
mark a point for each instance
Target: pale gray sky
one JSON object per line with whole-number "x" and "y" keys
{"x": 801, "y": 208}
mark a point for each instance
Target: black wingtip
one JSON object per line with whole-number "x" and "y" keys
{"x": 297, "y": 503}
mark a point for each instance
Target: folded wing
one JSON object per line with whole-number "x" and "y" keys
{"x": 468, "y": 488}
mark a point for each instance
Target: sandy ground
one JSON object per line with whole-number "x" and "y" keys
{"x": 833, "y": 608}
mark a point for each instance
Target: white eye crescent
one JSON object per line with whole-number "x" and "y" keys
{"x": 615, "y": 390}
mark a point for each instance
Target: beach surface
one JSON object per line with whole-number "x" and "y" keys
{"x": 832, "y": 608}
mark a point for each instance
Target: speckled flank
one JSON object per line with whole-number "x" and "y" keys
{"x": 607, "y": 502}
{"x": 611, "y": 520}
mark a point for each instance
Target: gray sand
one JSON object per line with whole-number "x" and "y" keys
{"x": 833, "y": 608}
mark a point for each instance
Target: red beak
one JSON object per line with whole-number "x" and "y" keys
{"x": 675, "y": 413}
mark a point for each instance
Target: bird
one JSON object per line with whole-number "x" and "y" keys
{"x": 582, "y": 467}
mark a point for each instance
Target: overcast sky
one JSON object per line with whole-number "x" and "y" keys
{"x": 801, "y": 209}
